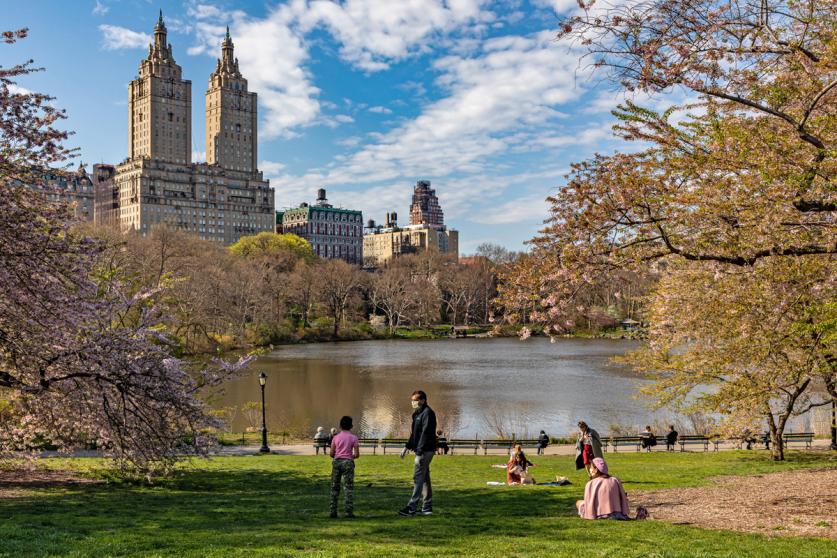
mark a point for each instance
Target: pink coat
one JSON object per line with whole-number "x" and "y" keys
{"x": 603, "y": 496}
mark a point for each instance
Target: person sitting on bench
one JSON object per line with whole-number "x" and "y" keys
{"x": 671, "y": 438}
{"x": 441, "y": 443}
{"x": 320, "y": 440}
{"x": 648, "y": 439}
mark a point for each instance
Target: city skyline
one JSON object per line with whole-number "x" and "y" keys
{"x": 364, "y": 101}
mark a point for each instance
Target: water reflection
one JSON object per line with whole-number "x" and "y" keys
{"x": 477, "y": 386}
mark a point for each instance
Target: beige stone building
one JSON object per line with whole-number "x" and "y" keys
{"x": 222, "y": 199}
{"x": 426, "y": 231}
{"x": 382, "y": 245}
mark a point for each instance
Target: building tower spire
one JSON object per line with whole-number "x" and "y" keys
{"x": 160, "y": 48}
{"x": 231, "y": 128}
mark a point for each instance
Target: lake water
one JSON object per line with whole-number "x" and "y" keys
{"x": 478, "y": 387}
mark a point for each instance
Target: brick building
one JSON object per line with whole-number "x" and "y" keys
{"x": 105, "y": 196}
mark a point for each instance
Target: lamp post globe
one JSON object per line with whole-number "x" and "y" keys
{"x": 264, "y": 448}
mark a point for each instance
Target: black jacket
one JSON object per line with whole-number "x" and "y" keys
{"x": 423, "y": 433}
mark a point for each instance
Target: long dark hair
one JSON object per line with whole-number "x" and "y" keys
{"x": 518, "y": 456}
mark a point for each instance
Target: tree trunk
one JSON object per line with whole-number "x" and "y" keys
{"x": 777, "y": 451}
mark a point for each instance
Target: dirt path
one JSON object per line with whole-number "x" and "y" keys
{"x": 792, "y": 503}
{"x": 13, "y": 483}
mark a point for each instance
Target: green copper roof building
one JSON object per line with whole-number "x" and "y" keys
{"x": 333, "y": 232}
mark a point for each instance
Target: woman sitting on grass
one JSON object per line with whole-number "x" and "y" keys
{"x": 604, "y": 497}
{"x": 516, "y": 470}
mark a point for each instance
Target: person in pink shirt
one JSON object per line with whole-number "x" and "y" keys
{"x": 344, "y": 451}
{"x": 604, "y": 497}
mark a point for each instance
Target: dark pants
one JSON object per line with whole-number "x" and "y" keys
{"x": 422, "y": 488}
{"x": 343, "y": 469}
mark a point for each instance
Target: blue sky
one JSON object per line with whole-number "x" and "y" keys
{"x": 363, "y": 97}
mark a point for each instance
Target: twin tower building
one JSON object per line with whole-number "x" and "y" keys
{"x": 221, "y": 200}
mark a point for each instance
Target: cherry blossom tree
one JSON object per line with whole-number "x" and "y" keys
{"x": 731, "y": 184}
{"x": 81, "y": 361}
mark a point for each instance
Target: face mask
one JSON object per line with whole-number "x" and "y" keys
{"x": 415, "y": 404}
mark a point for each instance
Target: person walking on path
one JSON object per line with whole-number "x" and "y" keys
{"x": 543, "y": 441}
{"x": 423, "y": 442}
{"x": 344, "y": 451}
{"x": 587, "y": 447}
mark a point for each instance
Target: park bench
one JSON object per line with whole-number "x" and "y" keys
{"x": 531, "y": 443}
{"x": 508, "y": 443}
{"x": 393, "y": 443}
{"x": 368, "y": 443}
{"x": 504, "y": 444}
{"x": 693, "y": 440}
{"x": 456, "y": 443}
{"x": 803, "y": 437}
{"x": 616, "y": 441}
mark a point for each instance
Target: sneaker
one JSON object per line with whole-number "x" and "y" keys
{"x": 426, "y": 511}
{"x": 407, "y": 512}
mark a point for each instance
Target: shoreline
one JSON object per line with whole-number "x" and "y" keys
{"x": 433, "y": 333}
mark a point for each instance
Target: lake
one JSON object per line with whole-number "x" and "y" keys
{"x": 478, "y": 387}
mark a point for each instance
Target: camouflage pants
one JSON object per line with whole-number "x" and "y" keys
{"x": 345, "y": 469}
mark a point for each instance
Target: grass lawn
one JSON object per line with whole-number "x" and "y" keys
{"x": 278, "y": 506}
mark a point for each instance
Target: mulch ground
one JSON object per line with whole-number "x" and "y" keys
{"x": 793, "y": 503}
{"x": 14, "y": 482}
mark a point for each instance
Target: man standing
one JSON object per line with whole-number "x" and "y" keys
{"x": 423, "y": 442}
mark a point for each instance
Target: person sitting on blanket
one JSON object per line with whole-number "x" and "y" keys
{"x": 516, "y": 470}
{"x": 604, "y": 497}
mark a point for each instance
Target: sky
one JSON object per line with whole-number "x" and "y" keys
{"x": 362, "y": 97}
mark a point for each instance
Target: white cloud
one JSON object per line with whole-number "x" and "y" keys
{"x": 504, "y": 98}
{"x": 380, "y": 110}
{"x": 116, "y": 37}
{"x": 271, "y": 168}
{"x": 272, "y": 57}
{"x": 372, "y": 33}
{"x": 350, "y": 142}
{"x": 100, "y": 9}
{"x": 198, "y": 156}
{"x": 515, "y": 84}
{"x": 514, "y": 211}
{"x": 561, "y": 7}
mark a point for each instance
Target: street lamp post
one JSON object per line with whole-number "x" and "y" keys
{"x": 264, "y": 448}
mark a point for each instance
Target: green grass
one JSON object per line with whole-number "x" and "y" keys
{"x": 277, "y": 506}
